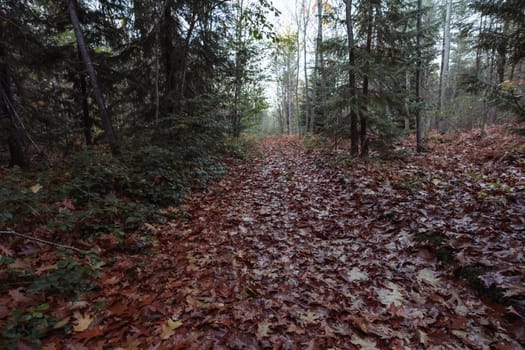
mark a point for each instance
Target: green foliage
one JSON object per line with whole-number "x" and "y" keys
{"x": 69, "y": 278}
{"x": 92, "y": 193}
{"x": 27, "y": 326}
{"x": 18, "y": 202}
{"x": 240, "y": 148}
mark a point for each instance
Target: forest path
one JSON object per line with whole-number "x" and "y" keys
{"x": 287, "y": 252}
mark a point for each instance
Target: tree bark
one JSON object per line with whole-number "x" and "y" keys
{"x": 306, "y": 20}
{"x": 318, "y": 94}
{"x": 445, "y": 54}
{"x": 97, "y": 91}
{"x": 354, "y": 135}
{"x": 419, "y": 136}
{"x": 86, "y": 119}
{"x": 8, "y": 118}
{"x": 364, "y": 116}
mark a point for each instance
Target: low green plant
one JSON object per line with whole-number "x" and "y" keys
{"x": 29, "y": 326}
{"x": 22, "y": 199}
{"x": 68, "y": 278}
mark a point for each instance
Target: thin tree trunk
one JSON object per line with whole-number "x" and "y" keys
{"x": 306, "y": 19}
{"x": 419, "y": 136}
{"x": 364, "y": 116}
{"x": 318, "y": 65}
{"x": 97, "y": 91}
{"x": 354, "y": 135}
{"x": 445, "y": 54}
{"x": 296, "y": 95}
{"x": 86, "y": 119}
{"x": 238, "y": 69}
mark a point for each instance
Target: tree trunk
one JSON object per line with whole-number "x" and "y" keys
{"x": 419, "y": 136}
{"x": 97, "y": 91}
{"x": 239, "y": 61}
{"x": 318, "y": 65}
{"x": 8, "y": 117}
{"x": 86, "y": 119}
{"x": 364, "y": 116}
{"x": 445, "y": 54}
{"x": 354, "y": 135}
{"x": 306, "y": 19}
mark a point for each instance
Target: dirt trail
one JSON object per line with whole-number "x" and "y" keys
{"x": 286, "y": 253}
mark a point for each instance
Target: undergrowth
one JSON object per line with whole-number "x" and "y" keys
{"x": 78, "y": 199}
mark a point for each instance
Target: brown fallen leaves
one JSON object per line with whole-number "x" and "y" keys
{"x": 292, "y": 251}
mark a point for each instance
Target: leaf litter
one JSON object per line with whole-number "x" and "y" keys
{"x": 292, "y": 250}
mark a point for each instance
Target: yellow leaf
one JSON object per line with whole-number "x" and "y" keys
{"x": 83, "y": 322}
{"x": 36, "y": 188}
{"x": 168, "y": 329}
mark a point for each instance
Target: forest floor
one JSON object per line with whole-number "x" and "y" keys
{"x": 300, "y": 249}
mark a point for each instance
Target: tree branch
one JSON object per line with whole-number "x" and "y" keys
{"x": 14, "y": 233}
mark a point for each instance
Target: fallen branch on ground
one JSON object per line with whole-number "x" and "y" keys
{"x": 14, "y": 233}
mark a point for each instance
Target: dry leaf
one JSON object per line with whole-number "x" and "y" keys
{"x": 263, "y": 329}
{"x": 36, "y": 188}
{"x": 391, "y": 295}
{"x": 428, "y": 276}
{"x": 364, "y": 343}
{"x": 82, "y": 321}
{"x": 168, "y": 328}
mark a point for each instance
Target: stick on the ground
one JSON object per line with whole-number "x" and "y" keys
{"x": 14, "y": 233}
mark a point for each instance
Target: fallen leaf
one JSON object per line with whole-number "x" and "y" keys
{"x": 46, "y": 268}
{"x": 428, "y": 276}
{"x": 364, "y": 343}
{"x": 309, "y": 317}
{"x": 168, "y": 328}
{"x": 61, "y": 323}
{"x": 357, "y": 275}
{"x": 391, "y": 295}
{"x": 263, "y": 329}
{"x": 19, "y": 297}
{"x": 82, "y": 321}
{"x": 36, "y": 188}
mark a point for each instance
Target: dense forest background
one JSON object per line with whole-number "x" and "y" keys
{"x": 183, "y": 75}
